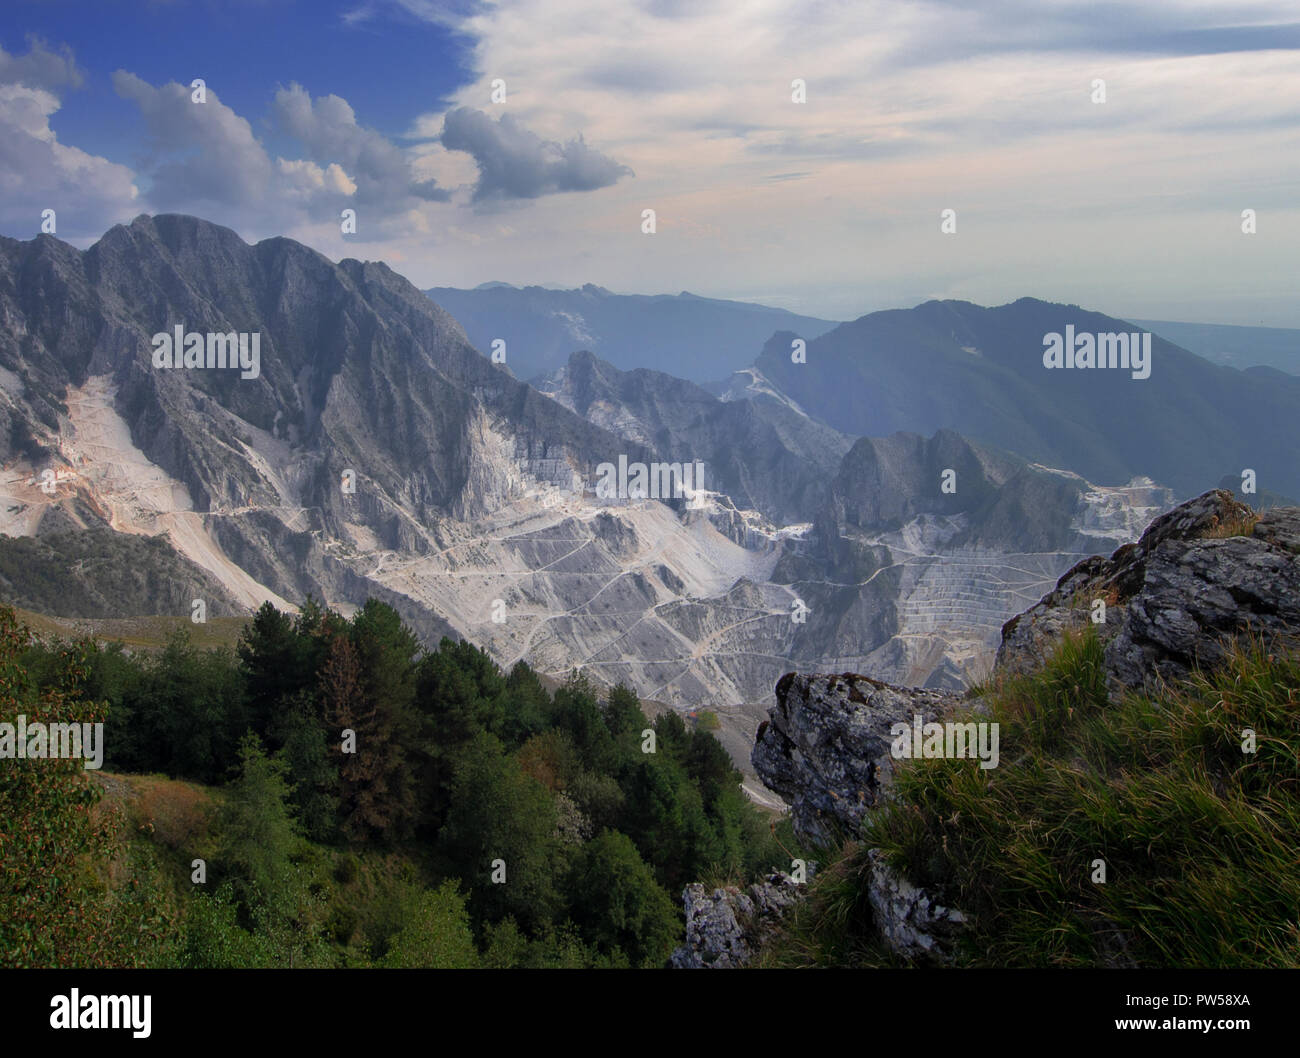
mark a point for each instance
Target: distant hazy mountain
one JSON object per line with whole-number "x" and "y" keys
{"x": 691, "y": 337}
{"x": 1277, "y": 347}
{"x": 979, "y": 371}
{"x": 762, "y": 454}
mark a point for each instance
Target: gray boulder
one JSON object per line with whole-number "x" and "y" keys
{"x": 1176, "y": 597}
{"x": 907, "y": 917}
{"x": 825, "y": 747}
{"x": 726, "y": 927}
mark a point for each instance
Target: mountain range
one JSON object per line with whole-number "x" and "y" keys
{"x": 378, "y": 453}
{"x": 1220, "y": 399}
{"x": 695, "y": 338}
{"x": 980, "y": 371}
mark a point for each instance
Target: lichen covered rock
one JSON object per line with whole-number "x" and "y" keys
{"x": 1175, "y": 598}
{"x": 726, "y": 927}
{"x": 825, "y": 747}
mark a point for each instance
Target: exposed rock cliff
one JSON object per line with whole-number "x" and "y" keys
{"x": 764, "y": 456}
{"x": 825, "y": 747}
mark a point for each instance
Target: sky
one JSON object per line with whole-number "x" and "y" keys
{"x": 523, "y": 141}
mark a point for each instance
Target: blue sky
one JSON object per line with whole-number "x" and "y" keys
{"x": 832, "y": 207}
{"x": 268, "y": 43}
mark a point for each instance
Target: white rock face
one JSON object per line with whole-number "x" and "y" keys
{"x": 908, "y": 919}
{"x": 103, "y": 469}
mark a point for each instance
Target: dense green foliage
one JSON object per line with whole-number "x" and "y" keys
{"x": 1199, "y": 830}
{"x": 57, "y": 844}
{"x": 377, "y": 804}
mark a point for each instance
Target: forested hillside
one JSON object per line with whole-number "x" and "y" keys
{"x": 481, "y": 821}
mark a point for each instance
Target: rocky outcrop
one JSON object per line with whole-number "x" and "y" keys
{"x": 725, "y": 927}
{"x": 1175, "y": 598}
{"x": 825, "y": 747}
{"x": 907, "y": 917}
{"x": 1206, "y": 571}
{"x": 826, "y": 750}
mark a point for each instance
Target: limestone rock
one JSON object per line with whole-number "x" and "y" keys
{"x": 1174, "y": 597}
{"x": 1197, "y": 595}
{"x": 726, "y": 927}
{"x": 908, "y": 919}
{"x": 825, "y": 747}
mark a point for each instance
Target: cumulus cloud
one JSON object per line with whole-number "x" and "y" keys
{"x": 200, "y": 152}
{"x": 327, "y": 127}
{"x": 515, "y": 163}
{"x": 307, "y": 180}
{"x": 40, "y": 67}
{"x": 204, "y": 158}
{"x": 37, "y": 172}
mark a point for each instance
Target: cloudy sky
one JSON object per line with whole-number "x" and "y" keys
{"x": 1131, "y": 206}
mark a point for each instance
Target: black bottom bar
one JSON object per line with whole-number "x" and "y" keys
{"x": 335, "y": 1007}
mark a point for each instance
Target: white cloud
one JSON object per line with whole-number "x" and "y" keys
{"x": 514, "y": 163}
{"x": 202, "y": 152}
{"x": 204, "y": 158}
{"x": 307, "y": 179}
{"x": 40, "y": 67}
{"x": 328, "y": 128}
{"x": 912, "y": 108}
{"x": 37, "y": 172}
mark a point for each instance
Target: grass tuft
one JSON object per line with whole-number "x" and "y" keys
{"x": 1221, "y": 529}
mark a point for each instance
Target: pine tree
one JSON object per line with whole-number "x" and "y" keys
{"x": 351, "y": 722}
